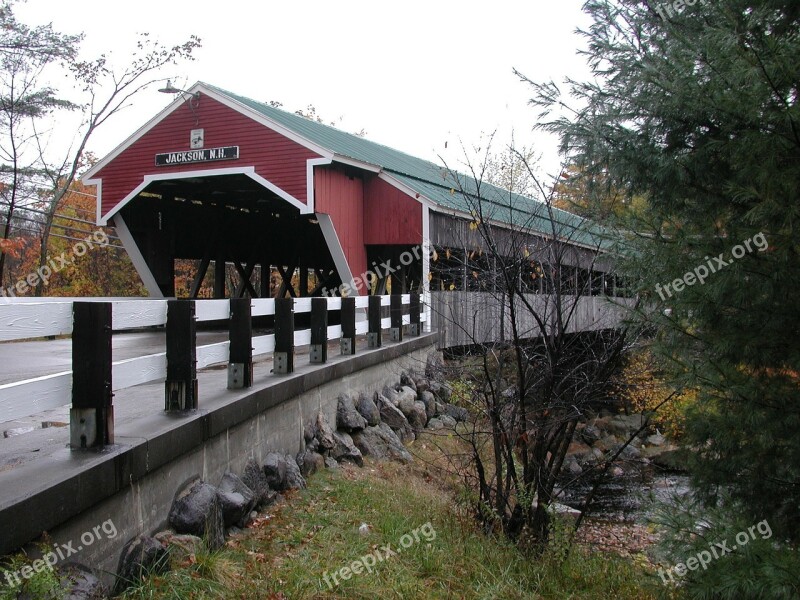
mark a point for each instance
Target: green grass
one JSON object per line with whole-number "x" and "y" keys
{"x": 286, "y": 552}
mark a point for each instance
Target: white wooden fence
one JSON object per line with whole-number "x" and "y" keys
{"x": 29, "y": 318}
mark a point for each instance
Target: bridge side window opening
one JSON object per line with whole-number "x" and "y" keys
{"x": 530, "y": 277}
{"x": 448, "y": 268}
{"x": 480, "y": 272}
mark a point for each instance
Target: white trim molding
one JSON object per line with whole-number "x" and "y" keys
{"x": 148, "y": 179}
{"x": 138, "y": 260}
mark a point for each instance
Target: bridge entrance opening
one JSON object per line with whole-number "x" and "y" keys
{"x": 225, "y": 236}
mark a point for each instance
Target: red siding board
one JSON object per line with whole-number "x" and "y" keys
{"x": 274, "y": 157}
{"x": 342, "y": 198}
{"x": 390, "y": 215}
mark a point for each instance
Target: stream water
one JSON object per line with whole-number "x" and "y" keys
{"x": 628, "y": 498}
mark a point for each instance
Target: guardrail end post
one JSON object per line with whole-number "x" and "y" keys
{"x": 319, "y": 331}
{"x": 91, "y": 416}
{"x": 284, "y": 337}
{"x": 348, "y": 312}
{"x": 180, "y": 388}
{"x": 240, "y": 361}
{"x": 374, "y": 321}
{"x": 396, "y": 314}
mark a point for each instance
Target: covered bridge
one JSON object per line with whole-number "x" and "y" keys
{"x": 225, "y": 180}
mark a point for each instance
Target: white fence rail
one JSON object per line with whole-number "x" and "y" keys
{"x": 52, "y": 317}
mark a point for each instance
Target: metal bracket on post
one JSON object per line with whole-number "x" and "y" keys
{"x": 348, "y": 341}
{"x": 180, "y": 388}
{"x": 240, "y": 361}
{"x": 92, "y": 413}
{"x": 284, "y": 337}
{"x": 374, "y": 322}
{"x": 414, "y": 328}
{"x": 396, "y": 314}
{"x": 319, "y": 330}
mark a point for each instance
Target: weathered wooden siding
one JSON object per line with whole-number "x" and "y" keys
{"x": 390, "y": 216}
{"x": 274, "y": 157}
{"x": 341, "y": 196}
{"x": 465, "y": 318}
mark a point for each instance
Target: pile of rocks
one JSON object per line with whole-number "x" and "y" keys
{"x": 378, "y": 425}
{"x": 601, "y": 437}
{"x": 375, "y": 425}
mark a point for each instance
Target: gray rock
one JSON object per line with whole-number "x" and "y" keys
{"x": 429, "y": 400}
{"x": 448, "y": 422}
{"x": 390, "y": 394}
{"x": 405, "y": 397}
{"x": 382, "y": 443}
{"x": 310, "y": 462}
{"x": 423, "y": 385}
{"x": 394, "y": 418}
{"x": 442, "y": 391}
{"x": 346, "y": 450}
{"x": 253, "y": 477}
{"x": 330, "y": 463}
{"x": 324, "y": 433}
{"x": 181, "y": 545}
{"x": 77, "y": 582}
{"x": 141, "y": 556}
{"x": 441, "y": 409}
{"x": 237, "y": 500}
{"x": 283, "y": 472}
{"x": 656, "y": 440}
{"x": 368, "y": 409}
{"x": 347, "y": 417}
{"x": 574, "y": 468}
{"x": 458, "y": 413}
{"x": 590, "y": 434}
{"x": 275, "y": 471}
{"x": 408, "y": 381}
{"x": 435, "y": 424}
{"x": 309, "y": 430}
{"x": 412, "y": 409}
{"x": 313, "y": 445}
{"x": 197, "y": 510}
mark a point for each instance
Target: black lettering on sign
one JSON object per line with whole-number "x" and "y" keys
{"x": 196, "y": 156}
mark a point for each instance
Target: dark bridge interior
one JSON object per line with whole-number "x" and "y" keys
{"x": 231, "y": 220}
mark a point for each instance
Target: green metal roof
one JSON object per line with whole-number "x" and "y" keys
{"x": 433, "y": 181}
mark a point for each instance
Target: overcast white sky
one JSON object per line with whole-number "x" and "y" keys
{"x": 413, "y": 74}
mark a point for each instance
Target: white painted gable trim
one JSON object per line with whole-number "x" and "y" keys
{"x": 148, "y": 179}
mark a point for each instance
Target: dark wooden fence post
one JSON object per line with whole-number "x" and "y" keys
{"x": 374, "y": 319}
{"x": 396, "y": 314}
{"x": 284, "y": 336}
{"x": 415, "y": 328}
{"x": 319, "y": 330}
{"x": 92, "y": 414}
{"x": 240, "y": 361}
{"x": 181, "y": 385}
{"x": 348, "y": 326}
